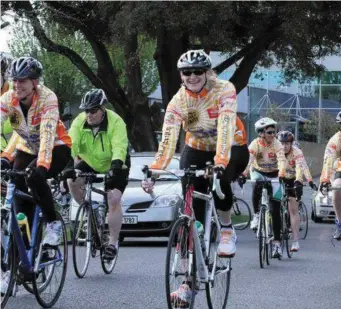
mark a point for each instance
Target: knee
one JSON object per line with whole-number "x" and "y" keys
{"x": 114, "y": 199}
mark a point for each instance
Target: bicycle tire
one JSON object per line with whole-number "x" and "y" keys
{"x": 178, "y": 239}
{"x": 237, "y": 215}
{"x": 304, "y": 222}
{"x": 83, "y": 209}
{"x": 224, "y": 267}
{"x": 262, "y": 248}
{"x": 61, "y": 249}
{"x": 107, "y": 266}
{"x": 11, "y": 266}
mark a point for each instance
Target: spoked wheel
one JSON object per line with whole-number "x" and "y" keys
{"x": 263, "y": 246}
{"x": 81, "y": 240}
{"x": 269, "y": 244}
{"x": 302, "y": 209}
{"x": 286, "y": 240}
{"x": 217, "y": 289}
{"x": 180, "y": 266}
{"x": 107, "y": 265}
{"x": 241, "y": 214}
{"x": 9, "y": 269}
{"x": 52, "y": 267}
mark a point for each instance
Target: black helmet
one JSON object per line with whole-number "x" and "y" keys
{"x": 285, "y": 137}
{"x": 194, "y": 59}
{"x": 93, "y": 98}
{"x": 26, "y": 67}
{"x": 338, "y": 117}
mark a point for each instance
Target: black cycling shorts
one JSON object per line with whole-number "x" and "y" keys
{"x": 119, "y": 182}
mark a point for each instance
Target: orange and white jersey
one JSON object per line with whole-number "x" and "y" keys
{"x": 209, "y": 120}
{"x": 332, "y": 158}
{"x": 266, "y": 157}
{"x": 296, "y": 166}
{"x": 41, "y": 132}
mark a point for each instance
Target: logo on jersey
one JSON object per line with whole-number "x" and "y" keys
{"x": 272, "y": 155}
{"x": 193, "y": 117}
{"x": 213, "y": 113}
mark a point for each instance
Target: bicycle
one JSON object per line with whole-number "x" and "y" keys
{"x": 241, "y": 214}
{"x": 89, "y": 232}
{"x": 26, "y": 261}
{"x": 188, "y": 254}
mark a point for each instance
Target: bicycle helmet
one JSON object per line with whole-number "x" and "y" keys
{"x": 93, "y": 98}
{"x": 338, "y": 117}
{"x": 26, "y": 67}
{"x": 194, "y": 59}
{"x": 285, "y": 137}
{"x": 263, "y": 123}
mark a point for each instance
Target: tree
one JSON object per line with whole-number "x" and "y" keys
{"x": 292, "y": 35}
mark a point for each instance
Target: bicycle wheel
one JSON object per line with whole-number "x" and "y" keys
{"x": 217, "y": 291}
{"x": 286, "y": 235}
{"x": 241, "y": 214}
{"x": 268, "y": 248}
{"x": 263, "y": 246}
{"x": 54, "y": 262}
{"x": 108, "y": 266}
{"x": 9, "y": 270}
{"x": 302, "y": 209}
{"x": 81, "y": 240}
{"x": 180, "y": 264}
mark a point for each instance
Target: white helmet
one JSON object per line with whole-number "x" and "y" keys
{"x": 263, "y": 123}
{"x": 194, "y": 59}
{"x": 338, "y": 117}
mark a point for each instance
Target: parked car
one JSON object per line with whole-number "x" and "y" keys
{"x": 322, "y": 207}
{"x": 142, "y": 215}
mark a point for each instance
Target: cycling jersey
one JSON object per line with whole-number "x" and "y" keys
{"x": 295, "y": 165}
{"x": 209, "y": 119}
{"x": 110, "y": 143}
{"x": 40, "y": 132}
{"x": 6, "y": 127}
{"x": 332, "y": 158}
{"x": 266, "y": 157}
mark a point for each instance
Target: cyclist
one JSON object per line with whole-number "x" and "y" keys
{"x": 332, "y": 163}
{"x": 207, "y": 109}
{"x": 39, "y": 142}
{"x": 296, "y": 168}
{"x": 267, "y": 160}
{"x": 100, "y": 144}
{"x": 6, "y": 128}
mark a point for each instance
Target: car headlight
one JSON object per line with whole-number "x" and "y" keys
{"x": 166, "y": 201}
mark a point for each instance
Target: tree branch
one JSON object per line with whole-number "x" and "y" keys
{"x": 4, "y": 25}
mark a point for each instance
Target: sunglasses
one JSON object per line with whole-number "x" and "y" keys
{"x": 270, "y": 132}
{"x": 92, "y": 111}
{"x": 195, "y": 72}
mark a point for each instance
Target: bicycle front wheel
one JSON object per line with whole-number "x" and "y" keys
{"x": 81, "y": 240}
{"x": 9, "y": 269}
{"x": 108, "y": 266}
{"x": 217, "y": 290}
{"x": 262, "y": 237}
{"x": 241, "y": 214}
{"x": 53, "y": 263}
{"x": 180, "y": 266}
{"x": 302, "y": 209}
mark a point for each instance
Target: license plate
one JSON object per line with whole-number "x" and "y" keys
{"x": 129, "y": 220}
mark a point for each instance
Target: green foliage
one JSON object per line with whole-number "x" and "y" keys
{"x": 59, "y": 73}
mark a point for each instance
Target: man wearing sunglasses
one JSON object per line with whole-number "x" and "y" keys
{"x": 206, "y": 107}
{"x": 100, "y": 143}
{"x": 296, "y": 168}
{"x": 267, "y": 161}
{"x": 332, "y": 164}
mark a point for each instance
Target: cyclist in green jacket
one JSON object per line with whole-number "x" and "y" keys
{"x": 99, "y": 144}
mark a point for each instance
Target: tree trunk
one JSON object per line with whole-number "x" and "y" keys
{"x": 168, "y": 50}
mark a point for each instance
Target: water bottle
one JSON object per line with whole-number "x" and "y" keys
{"x": 25, "y": 228}
{"x": 200, "y": 229}
{"x": 101, "y": 214}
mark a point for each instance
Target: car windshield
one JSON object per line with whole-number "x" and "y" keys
{"x": 137, "y": 164}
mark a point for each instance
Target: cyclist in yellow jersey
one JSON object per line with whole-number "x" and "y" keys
{"x": 40, "y": 142}
{"x": 207, "y": 109}
{"x": 332, "y": 163}
{"x": 296, "y": 169}
{"x": 267, "y": 161}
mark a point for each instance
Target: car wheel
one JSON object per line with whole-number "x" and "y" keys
{"x": 317, "y": 220}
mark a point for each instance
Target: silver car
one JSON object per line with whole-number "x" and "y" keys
{"x": 142, "y": 215}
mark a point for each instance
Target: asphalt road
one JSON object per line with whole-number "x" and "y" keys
{"x": 311, "y": 279}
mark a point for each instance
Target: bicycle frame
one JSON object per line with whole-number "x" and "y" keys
{"x": 25, "y": 256}
{"x": 265, "y": 203}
